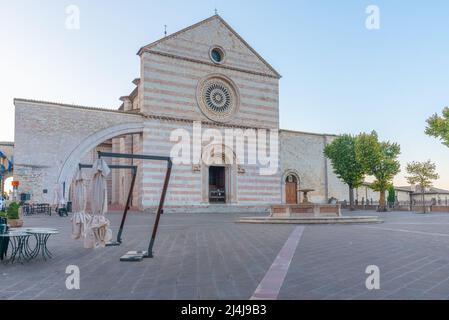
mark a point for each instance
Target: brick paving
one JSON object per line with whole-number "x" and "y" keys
{"x": 208, "y": 256}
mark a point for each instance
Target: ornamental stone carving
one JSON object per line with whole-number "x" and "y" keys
{"x": 218, "y": 98}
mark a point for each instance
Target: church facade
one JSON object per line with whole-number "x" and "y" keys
{"x": 204, "y": 97}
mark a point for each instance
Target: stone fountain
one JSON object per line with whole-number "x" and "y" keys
{"x": 308, "y": 212}
{"x": 305, "y": 208}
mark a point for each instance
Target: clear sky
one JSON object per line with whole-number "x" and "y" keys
{"x": 338, "y": 76}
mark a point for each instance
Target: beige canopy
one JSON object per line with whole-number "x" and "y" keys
{"x": 80, "y": 218}
{"x": 58, "y": 196}
{"x": 98, "y": 232}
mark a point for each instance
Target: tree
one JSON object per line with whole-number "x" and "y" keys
{"x": 438, "y": 126}
{"x": 391, "y": 195}
{"x": 379, "y": 159}
{"x": 422, "y": 174}
{"x": 341, "y": 152}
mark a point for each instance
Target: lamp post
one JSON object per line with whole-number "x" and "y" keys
{"x": 15, "y": 186}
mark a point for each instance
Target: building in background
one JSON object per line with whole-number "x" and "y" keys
{"x": 207, "y": 74}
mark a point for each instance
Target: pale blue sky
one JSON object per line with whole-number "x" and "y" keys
{"x": 337, "y": 76}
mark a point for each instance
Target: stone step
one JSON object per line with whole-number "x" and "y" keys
{"x": 219, "y": 208}
{"x": 311, "y": 220}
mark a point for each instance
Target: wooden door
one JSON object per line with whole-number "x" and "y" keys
{"x": 291, "y": 193}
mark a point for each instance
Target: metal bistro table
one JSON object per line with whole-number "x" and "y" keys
{"x": 41, "y": 235}
{"x": 18, "y": 243}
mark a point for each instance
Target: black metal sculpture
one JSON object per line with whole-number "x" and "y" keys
{"x": 138, "y": 255}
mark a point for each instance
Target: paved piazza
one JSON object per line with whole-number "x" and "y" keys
{"x": 208, "y": 256}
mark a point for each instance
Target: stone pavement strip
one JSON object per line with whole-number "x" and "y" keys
{"x": 272, "y": 282}
{"x": 208, "y": 256}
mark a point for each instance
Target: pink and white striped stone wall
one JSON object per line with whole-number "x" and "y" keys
{"x": 172, "y": 69}
{"x": 186, "y": 188}
{"x": 170, "y": 85}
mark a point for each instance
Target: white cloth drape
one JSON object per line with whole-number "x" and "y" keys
{"x": 98, "y": 232}
{"x": 58, "y": 198}
{"x": 80, "y": 218}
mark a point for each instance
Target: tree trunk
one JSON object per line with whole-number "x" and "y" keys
{"x": 423, "y": 201}
{"x": 351, "y": 198}
{"x": 382, "y": 207}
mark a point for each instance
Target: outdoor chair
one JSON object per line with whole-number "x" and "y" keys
{"x": 62, "y": 211}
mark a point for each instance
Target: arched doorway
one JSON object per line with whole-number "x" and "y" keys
{"x": 70, "y": 164}
{"x": 7, "y": 186}
{"x": 219, "y": 175}
{"x": 291, "y": 189}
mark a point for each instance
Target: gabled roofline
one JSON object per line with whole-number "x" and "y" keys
{"x": 216, "y": 16}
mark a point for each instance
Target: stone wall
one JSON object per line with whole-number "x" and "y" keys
{"x": 302, "y": 153}
{"x": 173, "y": 68}
{"x": 51, "y": 139}
{"x": 365, "y": 193}
{"x": 122, "y": 178}
{"x": 196, "y": 41}
{"x": 7, "y": 148}
{"x": 431, "y": 197}
{"x": 189, "y": 183}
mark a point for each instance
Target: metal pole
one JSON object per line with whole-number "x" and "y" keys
{"x": 149, "y": 254}
{"x": 128, "y": 202}
{"x": 132, "y": 156}
{"x": 159, "y": 210}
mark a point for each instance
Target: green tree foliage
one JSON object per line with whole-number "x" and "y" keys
{"x": 422, "y": 174}
{"x": 379, "y": 159}
{"x": 341, "y": 152}
{"x": 438, "y": 126}
{"x": 391, "y": 195}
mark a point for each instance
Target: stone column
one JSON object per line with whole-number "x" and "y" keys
{"x": 115, "y": 173}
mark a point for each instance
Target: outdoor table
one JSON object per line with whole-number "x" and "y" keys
{"x": 41, "y": 235}
{"x": 18, "y": 242}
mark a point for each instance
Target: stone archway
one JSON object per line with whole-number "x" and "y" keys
{"x": 223, "y": 156}
{"x": 295, "y": 174}
{"x": 70, "y": 165}
{"x": 3, "y": 182}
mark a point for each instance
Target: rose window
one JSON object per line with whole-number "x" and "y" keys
{"x": 217, "y": 98}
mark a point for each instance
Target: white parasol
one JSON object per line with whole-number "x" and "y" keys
{"x": 58, "y": 198}
{"x": 98, "y": 232}
{"x": 80, "y": 218}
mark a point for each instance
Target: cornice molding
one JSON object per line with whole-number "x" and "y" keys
{"x": 173, "y": 56}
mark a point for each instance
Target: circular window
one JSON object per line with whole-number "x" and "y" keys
{"x": 217, "y": 97}
{"x": 217, "y": 55}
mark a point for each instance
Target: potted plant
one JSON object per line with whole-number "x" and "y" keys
{"x": 3, "y": 223}
{"x": 13, "y": 212}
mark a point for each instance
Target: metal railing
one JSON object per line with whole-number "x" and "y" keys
{"x": 36, "y": 208}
